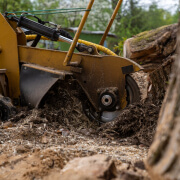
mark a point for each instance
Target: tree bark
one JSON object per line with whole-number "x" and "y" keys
{"x": 163, "y": 162}
{"x": 159, "y": 80}
{"x": 151, "y": 48}
{"x": 155, "y": 51}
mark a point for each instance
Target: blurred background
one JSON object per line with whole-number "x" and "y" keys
{"x": 133, "y": 17}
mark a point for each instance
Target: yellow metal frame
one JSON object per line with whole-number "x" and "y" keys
{"x": 97, "y": 71}
{"x": 76, "y": 37}
{"x": 9, "y": 59}
{"x": 110, "y": 22}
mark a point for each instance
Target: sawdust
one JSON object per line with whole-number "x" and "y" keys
{"x": 32, "y": 149}
{"x": 63, "y": 106}
{"x": 41, "y": 141}
{"x": 137, "y": 122}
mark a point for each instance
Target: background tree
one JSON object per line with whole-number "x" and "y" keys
{"x": 134, "y": 18}
{"x": 15, "y": 5}
{"x": 99, "y": 16}
{"x": 156, "y": 17}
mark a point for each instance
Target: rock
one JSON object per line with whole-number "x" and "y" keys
{"x": 93, "y": 167}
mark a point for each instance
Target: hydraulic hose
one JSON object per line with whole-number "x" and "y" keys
{"x": 48, "y": 33}
{"x": 99, "y": 47}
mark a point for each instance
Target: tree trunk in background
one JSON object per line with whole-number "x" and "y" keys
{"x": 163, "y": 162}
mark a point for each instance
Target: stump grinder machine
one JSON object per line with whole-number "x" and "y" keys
{"x": 27, "y": 73}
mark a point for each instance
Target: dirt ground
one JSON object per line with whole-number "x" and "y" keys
{"x": 38, "y": 142}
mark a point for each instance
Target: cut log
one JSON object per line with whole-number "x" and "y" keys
{"x": 163, "y": 162}
{"x": 151, "y": 48}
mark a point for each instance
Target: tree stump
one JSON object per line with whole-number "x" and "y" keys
{"x": 151, "y": 48}
{"x": 155, "y": 51}
{"x": 163, "y": 162}
{"x": 159, "y": 80}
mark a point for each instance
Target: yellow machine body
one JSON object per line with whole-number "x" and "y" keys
{"x": 9, "y": 58}
{"x": 94, "y": 73}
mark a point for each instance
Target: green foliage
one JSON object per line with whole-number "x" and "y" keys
{"x": 157, "y": 17}
{"x": 64, "y": 19}
{"x": 15, "y": 5}
{"x": 176, "y": 16}
{"x": 45, "y": 4}
{"x": 119, "y": 47}
{"x": 99, "y": 16}
{"x": 133, "y": 19}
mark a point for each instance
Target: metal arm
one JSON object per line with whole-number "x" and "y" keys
{"x": 110, "y": 22}
{"x": 81, "y": 25}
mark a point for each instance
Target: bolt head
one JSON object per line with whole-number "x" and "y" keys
{"x": 90, "y": 50}
{"x": 106, "y": 100}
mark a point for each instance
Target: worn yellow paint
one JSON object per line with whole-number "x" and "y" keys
{"x": 97, "y": 71}
{"x": 76, "y": 37}
{"x": 9, "y": 56}
{"x": 110, "y": 22}
{"x": 93, "y": 72}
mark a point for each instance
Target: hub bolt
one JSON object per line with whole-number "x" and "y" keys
{"x": 106, "y": 100}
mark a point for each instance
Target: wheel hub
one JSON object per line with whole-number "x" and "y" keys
{"x": 106, "y": 100}
{"x": 109, "y": 99}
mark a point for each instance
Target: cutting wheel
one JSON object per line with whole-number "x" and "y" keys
{"x": 133, "y": 95}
